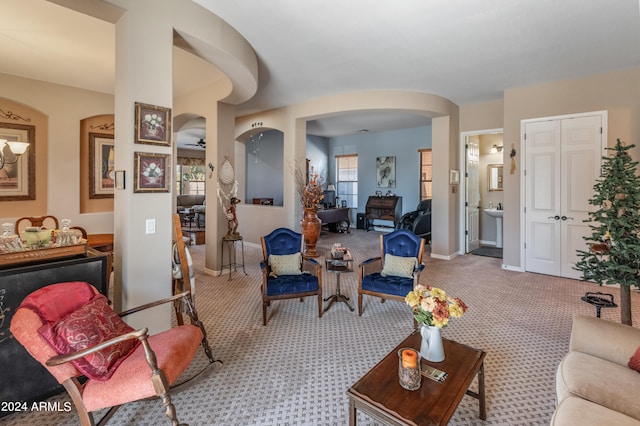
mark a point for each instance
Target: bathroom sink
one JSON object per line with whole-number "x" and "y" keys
{"x": 494, "y": 212}
{"x": 497, "y": 215}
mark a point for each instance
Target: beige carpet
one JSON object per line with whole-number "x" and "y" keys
{"x": 295, "y": 371}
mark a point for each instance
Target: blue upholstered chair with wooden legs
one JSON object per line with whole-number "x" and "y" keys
{"x": 395, "y": 272}
{"x": 283, "y": 270}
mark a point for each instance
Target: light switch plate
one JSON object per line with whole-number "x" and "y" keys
{"x": 151, "y": 226}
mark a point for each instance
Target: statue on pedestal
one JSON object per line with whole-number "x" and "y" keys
{"x": 227, "y": 194}
{"x": 232, "y": 219}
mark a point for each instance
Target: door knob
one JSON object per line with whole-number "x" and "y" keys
{"x": 565, "y": 218}
{"x": 556, "y": 217}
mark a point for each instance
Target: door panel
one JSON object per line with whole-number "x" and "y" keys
{"x": 473, "y": 194}
{"x": 573, "y": 239}
{"x": 578, "y": 171}
{"x": 542, "y": 199}
{"x": 543, "y": 181}
{"x": 543, "y": 239}
{"x": 581, "y": 159}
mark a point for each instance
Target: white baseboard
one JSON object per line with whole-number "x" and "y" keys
{"x": 215, "y": 273}
{"x": 512, "y": 268}
{"x": 445, "y": 257}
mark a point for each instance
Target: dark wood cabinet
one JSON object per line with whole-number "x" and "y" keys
{"x": 383, "y": 208}
{"x": 23, "y": 378}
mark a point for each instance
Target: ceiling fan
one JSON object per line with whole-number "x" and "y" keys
{"x": 201, "y": 143}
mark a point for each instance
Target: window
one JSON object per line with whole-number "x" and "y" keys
{"x": 347, "y": 189}
{"x": 189, "y": 179}
{"x": 426, "y": 184}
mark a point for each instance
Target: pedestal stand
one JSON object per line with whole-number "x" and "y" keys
{"x": 230, "y": 242}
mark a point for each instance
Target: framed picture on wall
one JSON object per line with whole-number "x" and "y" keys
{"x": 152, "y": 124}
{"x": 101, "y": 166}
{"x": 152, "y": 172}
{"x": 18, "y": 172}
{"x": 386, "y": 172}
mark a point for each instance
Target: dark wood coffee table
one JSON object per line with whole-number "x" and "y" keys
{"x": 379, "y": 394}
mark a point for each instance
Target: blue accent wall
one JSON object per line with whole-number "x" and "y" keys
{"x": 318, "y": 153}
{"x": 265, "y": 162}
{"x": 264, "y": 167}
{"x": 402, "y": 144}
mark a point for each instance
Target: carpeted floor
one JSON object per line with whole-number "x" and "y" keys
{"x": 296, "y": 370}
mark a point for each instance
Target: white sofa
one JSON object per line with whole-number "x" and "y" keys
{"x": 594, "y": 385}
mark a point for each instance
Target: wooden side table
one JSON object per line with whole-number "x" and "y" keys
{"x": 338, "y": 266}
{"x": 187, "y": 217}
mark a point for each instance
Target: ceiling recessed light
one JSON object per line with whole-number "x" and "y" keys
{"x": 363, "y": 130}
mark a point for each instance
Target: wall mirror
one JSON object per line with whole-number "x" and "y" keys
{"x": 494, "y": 172}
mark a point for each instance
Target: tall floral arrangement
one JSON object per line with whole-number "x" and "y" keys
{"x": 310, "y": 187}
{"x": 431, "y": 306}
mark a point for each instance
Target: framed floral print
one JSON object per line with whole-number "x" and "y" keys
{"x": 152, "y": 124}
{"x": 101, "y": 169}
{"x": 18, "y": 174}
{"x": 152, "y": 172}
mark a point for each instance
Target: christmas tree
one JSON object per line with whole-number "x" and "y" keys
{"x": 614, "y": 245}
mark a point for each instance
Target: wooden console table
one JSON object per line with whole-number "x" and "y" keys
{"x": 335, "y": 217}
{"x": 103, "y": 243}
{"x": 263, "y": 201}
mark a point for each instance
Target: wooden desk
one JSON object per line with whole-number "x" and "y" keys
{"x": 335, "y": 216}
{"x": 383, "y": 208}
{"x": 103, "y": 243}
{"x": 379, "y": 394}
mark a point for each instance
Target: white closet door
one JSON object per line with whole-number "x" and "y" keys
{"x": 563, "y": 159}
{"x": 542, "y": 202}
{"x": 581, "y": 155}
{"x": 473, "y": 195}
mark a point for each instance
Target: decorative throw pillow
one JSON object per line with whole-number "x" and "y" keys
{"x": 398, "y": 266}
{"x": 92, "y": 324}
{"x": 58, "y": 300}
{"x": 634, "y": 361}
{"x": 286, "y": 264}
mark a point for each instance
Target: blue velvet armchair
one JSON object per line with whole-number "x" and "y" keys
{"x": 283, "y": 270}
{"x": 396, "y": 271}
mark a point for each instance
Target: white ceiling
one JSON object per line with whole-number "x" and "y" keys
{"x": 465, "y": 50}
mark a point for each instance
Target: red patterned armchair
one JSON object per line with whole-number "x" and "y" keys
{"x": 72, "y": 331}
